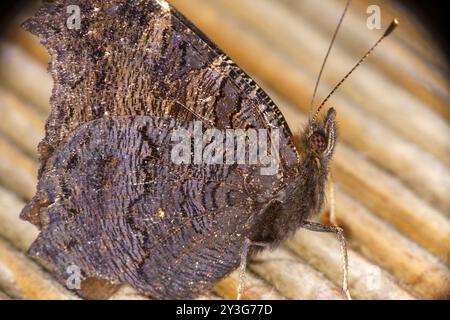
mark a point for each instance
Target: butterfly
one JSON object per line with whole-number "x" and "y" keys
{"x": 110, "y": 199}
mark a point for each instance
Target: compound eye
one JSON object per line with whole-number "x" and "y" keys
{"x": 318, "y": 142}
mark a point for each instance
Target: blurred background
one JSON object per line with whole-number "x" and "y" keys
{"x": 391, "y": 170}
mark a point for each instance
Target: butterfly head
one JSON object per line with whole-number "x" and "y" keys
{"x": 319, "y": 139}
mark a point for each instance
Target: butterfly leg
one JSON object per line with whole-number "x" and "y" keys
{"x": 243, "y": 264}
{"x": 319, "y": 227}
{"x": 331, "y": 201}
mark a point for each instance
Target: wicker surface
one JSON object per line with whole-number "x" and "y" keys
{"x": 391, "y": 169}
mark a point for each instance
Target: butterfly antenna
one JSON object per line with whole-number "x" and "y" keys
{"x": 311, "y": 106}
{"x": 388, "y": 31}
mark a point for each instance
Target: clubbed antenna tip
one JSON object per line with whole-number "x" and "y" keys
{"x": 391, "y": 27}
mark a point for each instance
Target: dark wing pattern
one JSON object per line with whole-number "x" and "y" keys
{"x": 109, "y": 198}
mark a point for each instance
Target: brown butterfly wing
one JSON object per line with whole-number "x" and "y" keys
{"x": 121, "y": 211}
{"x": 105, "y": 201}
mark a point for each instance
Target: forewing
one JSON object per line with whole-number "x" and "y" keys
{"x": 140, "y": 58}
